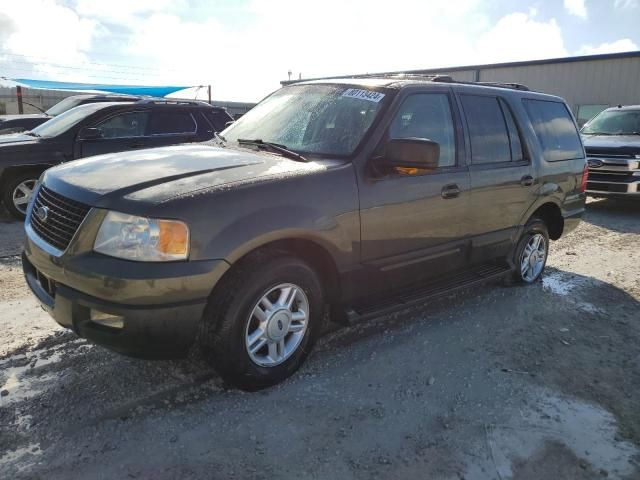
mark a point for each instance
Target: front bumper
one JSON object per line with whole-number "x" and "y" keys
{"x": 161, "y": 304}
{"x": 613, "y": 177}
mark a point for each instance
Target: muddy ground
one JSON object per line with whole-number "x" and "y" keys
{"x": 539, "y": 382}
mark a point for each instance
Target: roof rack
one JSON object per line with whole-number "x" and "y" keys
{"x": 172, "y": 102}
{"x": 445, "y": 79}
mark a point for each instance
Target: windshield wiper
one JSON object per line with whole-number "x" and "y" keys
{"x": 274, "y": 147}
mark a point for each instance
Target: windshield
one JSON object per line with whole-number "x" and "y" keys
{"x": 614, "y": 122}
{"x": 314, "y": 119}
{"x": 61, "y": 107}
{"x": 66, "y": 120}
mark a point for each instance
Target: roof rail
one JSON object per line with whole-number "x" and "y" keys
{"x": 172, "y": 102}
{"x": 445, "y": 79}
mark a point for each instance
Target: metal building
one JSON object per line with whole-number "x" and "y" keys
{"x": 589, "y": 83}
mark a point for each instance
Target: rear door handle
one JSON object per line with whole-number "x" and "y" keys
{"x": 450, "y": 191}
{"x": 526, "y": 181}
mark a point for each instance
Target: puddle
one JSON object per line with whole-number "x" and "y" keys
{"x": 585, "y": 429}
{"x": 558, "y": 283}
{"x": 32, "y": 450}
{"x": 21, "y": 384}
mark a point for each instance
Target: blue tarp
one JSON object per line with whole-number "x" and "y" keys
{"x": 155, "y": 91}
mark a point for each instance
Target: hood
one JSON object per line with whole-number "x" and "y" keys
{"x": 612, "y": 144}
{"x": 8, "y": 118}
{"x": 158, "y": 174}
{"x": 17, "y": 138}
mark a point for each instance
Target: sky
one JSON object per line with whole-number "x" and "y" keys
{"x": 243, "y": 48}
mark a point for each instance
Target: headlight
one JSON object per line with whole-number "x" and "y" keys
{"x": 142, "y": 239}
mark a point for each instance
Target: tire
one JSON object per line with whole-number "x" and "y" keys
{"x": 14, "y": 191}
{"x": 535, "y": 231}
{"x": 230, "y": 322}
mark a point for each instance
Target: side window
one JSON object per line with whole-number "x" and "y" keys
{"x": 487, "y": 129}
{"x": 427, "y": 115}
{"x": 126, "y": 125}
{"x": 171, "y": 122}
{"x": 555, "y": 129}
{"x": 517, "y": 153}
{"x": 218, "y": 120}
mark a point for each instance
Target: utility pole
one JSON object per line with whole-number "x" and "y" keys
{"x": 19, "y": 95}
{"x": 209, "y": 92}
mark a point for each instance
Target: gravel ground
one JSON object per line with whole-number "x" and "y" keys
{"x": 496, "y": 383}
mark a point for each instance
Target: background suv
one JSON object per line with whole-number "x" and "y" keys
{"x": 22, "y": 122}
{"x": 612, "y": 143}
{"x": 360, "y": 194}
{"x": 97, "y": 128}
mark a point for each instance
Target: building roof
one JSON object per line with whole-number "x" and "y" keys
{"x": 526, "y": 63}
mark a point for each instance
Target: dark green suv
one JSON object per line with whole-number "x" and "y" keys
{"x": 350, "y": 196}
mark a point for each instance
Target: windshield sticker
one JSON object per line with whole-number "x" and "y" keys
{"x": 363, "y": 94}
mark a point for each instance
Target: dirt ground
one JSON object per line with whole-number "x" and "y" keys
{"x": 523, "y": 383}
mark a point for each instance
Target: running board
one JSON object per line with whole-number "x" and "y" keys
{"x": 419, "y": 294}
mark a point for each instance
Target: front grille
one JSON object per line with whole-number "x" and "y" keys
{"x": 607, "y": 187}
{"x": 63, "y": 219}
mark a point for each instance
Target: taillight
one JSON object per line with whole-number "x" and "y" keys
{"x": 585, "y": 176}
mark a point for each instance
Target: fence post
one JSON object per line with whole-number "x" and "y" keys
{"x": 19, "y": 95}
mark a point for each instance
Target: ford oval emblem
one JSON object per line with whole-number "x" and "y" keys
{"x": 42, "y": 213}
{"x": 594, "y": 163}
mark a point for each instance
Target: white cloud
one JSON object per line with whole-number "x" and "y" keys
{"x": 622, "y": 45}
{"x": 160, "y": 43}
{"x": 519, "y": 37}
{"x": 626, "y": 4}
{"x": 576, "y": 7}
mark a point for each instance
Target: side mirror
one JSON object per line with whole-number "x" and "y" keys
{"x": 89, "y": 133}
{"x": 412, "y": 153}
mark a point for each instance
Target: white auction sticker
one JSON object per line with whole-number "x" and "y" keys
{"x": 363, "y": 94}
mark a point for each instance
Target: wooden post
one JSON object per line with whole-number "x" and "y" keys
{"x": 19, "y": 95}
{"x": 209, "y": 92}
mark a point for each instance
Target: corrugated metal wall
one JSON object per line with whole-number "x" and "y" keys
{"x": 610, "y": 82}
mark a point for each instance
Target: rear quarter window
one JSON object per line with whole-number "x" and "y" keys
{"x": 554, "y": 127}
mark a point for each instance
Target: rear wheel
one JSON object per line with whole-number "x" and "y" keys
{"x": 263, "y": 320}
{"x": 16, "y": 192}
{"x": 531, "y": 253}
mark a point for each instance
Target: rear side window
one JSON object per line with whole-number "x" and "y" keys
{"x": 218, "y": 120}
{"x": 555, "y": 129}
{"x": 166, "y": 123}
{"x": 487, "y": 129}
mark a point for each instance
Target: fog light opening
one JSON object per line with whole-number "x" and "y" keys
{"x": 107, "y": 319}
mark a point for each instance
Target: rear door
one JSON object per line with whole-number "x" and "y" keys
{"x": 120, "y": 132}
{"x": 503, "y": 178}
{"x": 171, "y": 125}
{"x": 413, "y": 222}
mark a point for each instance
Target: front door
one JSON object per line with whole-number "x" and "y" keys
{"x": 171, "y": 125}
{"x": 413, "y": 221}
{"x": 124, "y": 131}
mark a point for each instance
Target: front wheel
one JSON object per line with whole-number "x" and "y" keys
{"x": 17, "y": 191}
{"x": 531, "y": 252}
{"x": 263, "y": 320}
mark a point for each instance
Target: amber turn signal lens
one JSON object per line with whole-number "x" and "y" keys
{"x": 174, "y": 237}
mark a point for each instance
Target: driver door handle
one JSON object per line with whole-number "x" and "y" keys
{"x": 450, "y": 191}
{"x": 526, "y": 181}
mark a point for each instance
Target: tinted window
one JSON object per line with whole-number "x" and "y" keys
{"x": 126, "y": 125}
{"x": 487, "y": 129}
{"x": 171, "y": 122}
{"x": 218, "y": 120}
{"x": 555, "y": 129}
{"x": 427, "y": 116}
{"x": 514, "y": 133}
